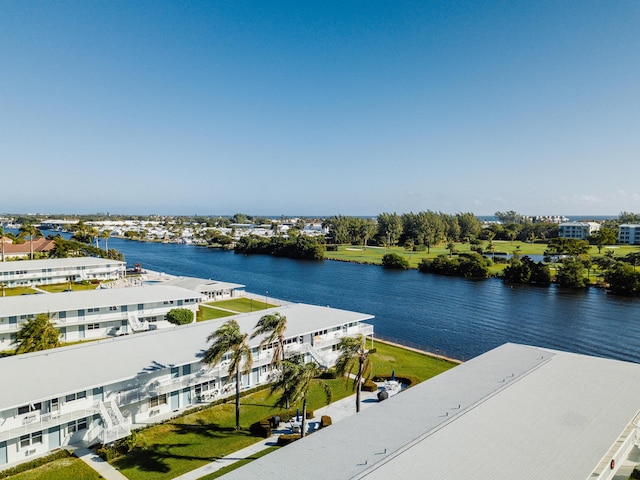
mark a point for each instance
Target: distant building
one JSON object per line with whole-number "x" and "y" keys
{"x": 578, "y": 230}
{"x": 97, "y": 392}
{"x": 513, "y": 412}
{"x": 23, "y": 250}
{"x": 629, "y": 233}
{"x": 59, "y": 270}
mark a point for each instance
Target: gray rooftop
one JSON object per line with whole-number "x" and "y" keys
{"x": 42, "y": 375}
{"x": 68, "y": 301}
{"x": 56, "y": 263}
{"x": 514, "y": 412}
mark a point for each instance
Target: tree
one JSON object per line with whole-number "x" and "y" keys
{"x": 2, "y": 244}
{"x": 179, "y": 316}
{"x": 353, "y": 352}
{"x": 29, "y": 230}
{"x": 571, "y": 274}
{"x": 229, "y": 339}
{"x": 37, "y": 334}
{"x": 452, "y": 248}
{"x": 106, "y": 235}
{"x": 602, "y": 237}
{"x": 393, "y": 260}
{"x": 273, "y": 327}
{"x": 389, "y": 228}
{"x": 623, "y": 279}
{"x": 295, "y": 381}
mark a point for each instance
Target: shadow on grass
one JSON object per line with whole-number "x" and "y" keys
{"x": 205, "y": 429}
{"x": 154, "y": 458}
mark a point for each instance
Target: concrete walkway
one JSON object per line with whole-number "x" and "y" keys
{"x": 98, "y": 464}
{"x": 337, "y": 411}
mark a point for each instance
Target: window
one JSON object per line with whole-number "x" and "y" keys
{"x": 31, "y": 439}
{"x": 113, "y": 309}
{"x": 32, "y": 407}
{"x": 93, "y": 310}
{"x": 93, "y": 326}
{"x": 159, "y": 400}
{"x": 75, "y": 396}
{"x": 77, "y": 425}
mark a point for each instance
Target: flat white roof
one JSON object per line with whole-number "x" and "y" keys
{"x": 30, "y": 265}
{"x": 515, "y": 411}
{"x": 100, "y": 297}
{"x": 200, "y": 284}
{"x": 39, "y": 376}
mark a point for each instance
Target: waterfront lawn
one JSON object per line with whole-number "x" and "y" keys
{"x": 389, "y": 358}
{"x": 209, "y": 313}
{"x": 242, "y": 305}
{"x": 61, "y": 469}
{"x": 173, "y": 448}
{"x": 61, "y": 287}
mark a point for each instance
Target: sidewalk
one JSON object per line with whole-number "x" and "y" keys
{"x": 337, "y": 411}
{"x": 98, "y": 464}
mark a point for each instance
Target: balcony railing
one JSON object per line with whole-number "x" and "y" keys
{"x": 35, "y": 422}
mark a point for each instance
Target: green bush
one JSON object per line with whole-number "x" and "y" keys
{"x": 393, "y": 260}
{"x": 38, "y": 462}
{"x": 287, "y": 439}
{"x": 369, "y": 386}
{"x": 179, "y": 316}
{"x": 328, "y": 375}
{"x": 635, "y": 474}
{"x": 325, "y": 421}
{"x": 261, "y": 428}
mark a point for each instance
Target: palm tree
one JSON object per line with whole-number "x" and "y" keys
{"x": 273, "y": 327}
{"x": 354, "y": 351}
{"x": 93, "y": 234}
{"x": 37, "y": 334}
{"x": 2, "y": 242}
{"x": 28, "y": 230}
{"x": 295, "y": 381}
{"x": 105, "y": 235}
{"x": 229, "y": 339}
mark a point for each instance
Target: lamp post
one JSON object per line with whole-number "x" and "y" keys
{"x": 266, "y": 298}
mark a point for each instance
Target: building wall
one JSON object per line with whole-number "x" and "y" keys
{"x": 629, "y": 234}
{"x": 31, "y": 276}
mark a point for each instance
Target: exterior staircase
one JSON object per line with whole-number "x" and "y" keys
{"x": 115, "y": 426}
{"x": 135, "y": 324}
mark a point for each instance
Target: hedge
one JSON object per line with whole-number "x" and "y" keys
{"x": 38, "y": 462}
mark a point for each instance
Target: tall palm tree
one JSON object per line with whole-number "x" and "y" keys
{"x": 229, "y": 339}
{"x": 273, "y": 327}
{"x": 354, "y": 352}
{"x": 2, "y": 242}
{"x": 28, "y": 230}
{"x": 105, "y": 235}
{"x": 37, "y": 334}
{"x": 295, "y": 381}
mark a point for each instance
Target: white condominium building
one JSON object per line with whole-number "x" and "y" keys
{"x": 578, "y": 230}
{"x": 97, "y": 392}
{"x": 59, "y": 270}
{"x": 96, "y": 313}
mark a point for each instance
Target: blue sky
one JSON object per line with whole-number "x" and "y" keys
{"x": 320, "y": 108}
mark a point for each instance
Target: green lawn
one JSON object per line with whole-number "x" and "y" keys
{"x": 242, "y": 305}
{"x": 205, "y": 313}
{"x": 15, "y": 291}
{"x": 61, "y": 287}
{"x": 173, "y": 448}
{"x": 238, "y": 464}
{"x": 61, "y": 469}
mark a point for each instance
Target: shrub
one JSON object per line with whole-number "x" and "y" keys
{"x": 635, "y": 474}
{"x": 325, "y": 421}
{"x": 38, "y": 462}
{"x": 393, "y": 260}
{"x": 261, "y": 428}
{"x": 179, "y": 316}
{"x": 369, "y": 386}
{"x": 328, "y": 375}
{"x": 287, "y": 439}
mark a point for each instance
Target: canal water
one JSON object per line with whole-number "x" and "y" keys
{"x": 457, "y": 317}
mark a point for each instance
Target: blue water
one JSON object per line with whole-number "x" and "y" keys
{"x": 458, "y": 317}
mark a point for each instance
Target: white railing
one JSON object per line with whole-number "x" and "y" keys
{"x": 135, "y": 324}
{"x": 45, "y": 421}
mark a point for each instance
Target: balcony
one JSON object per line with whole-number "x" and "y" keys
{"x": 34, "y": 422}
